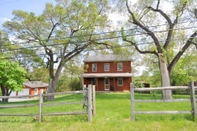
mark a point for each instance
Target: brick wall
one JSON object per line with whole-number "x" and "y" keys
{"x": 113, "y": 67}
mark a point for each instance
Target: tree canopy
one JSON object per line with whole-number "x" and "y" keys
{"x": 61, "y": 32}
{"x": 158, "y": 28}
{"x": 12, "y": 76}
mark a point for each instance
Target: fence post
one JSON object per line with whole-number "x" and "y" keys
{"x": 84, "y": 89}
{"x": 94, "y": 100}
{"x": 193, "y": 99}
{"x": 40, "y": 107}
{"x": 132, "y": 102}
{"x": 89, "y": 103}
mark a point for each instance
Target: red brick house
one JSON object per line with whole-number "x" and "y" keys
{"x": 108, "y": 72}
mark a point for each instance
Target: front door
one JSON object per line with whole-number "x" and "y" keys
{"x": 106, "y": 83}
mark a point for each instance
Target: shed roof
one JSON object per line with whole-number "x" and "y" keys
{"x": 97, "y": 75}
{"x": 108, "y": 57}
{"x": 35, "y": 84}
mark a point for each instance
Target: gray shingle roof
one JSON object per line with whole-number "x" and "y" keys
{"x": 35, "y": 84}
{"x": 108, "y": 57}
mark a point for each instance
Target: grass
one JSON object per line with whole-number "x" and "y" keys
{"x": 113, "y": 114}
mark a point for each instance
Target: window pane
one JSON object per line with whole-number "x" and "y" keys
{"x": 120, "y": 81}
{"x": 94, "y": 67}
{"x": 106, "y": 81}
{"x": 119, "y": 66}
{"x": 106, "y": 66}
{"x": 93, "y": 81}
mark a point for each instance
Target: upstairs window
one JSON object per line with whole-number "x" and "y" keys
{"x": 94, "y": 67}
{"x": 106, "y": 66}
{"x": 119, "y": 66}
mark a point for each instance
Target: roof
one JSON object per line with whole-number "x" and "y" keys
{"x": 35, "y": 84}
{"x": 93, "y": 75}
{"x": 108, "y": 57}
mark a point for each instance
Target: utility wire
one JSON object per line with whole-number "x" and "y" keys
{"x": 119, "y": 31}
{"x": 141, "y": 43}
{"x": 114, "y": 47}
{"x": 107, "y": 38}
{"x": 104, "y": 33}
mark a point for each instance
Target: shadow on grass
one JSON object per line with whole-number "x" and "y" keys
{"x": 123, "y": 95}
{"x": 31, "y": 119}
{"x": 164, "y": 117}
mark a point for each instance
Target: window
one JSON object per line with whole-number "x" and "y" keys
{"x": 94, "y": 67}
{"x": 106, "y": 66}
{"x": 93, "y": 81}
{"x": 119, "y": 66}
{"x": 36, "y": 91}
{"x": 120, "y": 81}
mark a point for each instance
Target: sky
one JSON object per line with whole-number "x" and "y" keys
{"x": 7, "y": 7}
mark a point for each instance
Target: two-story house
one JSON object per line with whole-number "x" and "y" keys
{"x": 108, "y": 72}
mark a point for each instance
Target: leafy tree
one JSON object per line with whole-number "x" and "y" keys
{"x": 12, "y": 77}
{"x": 63, "y": 31}
{"x": 3, "y": 41}
{"x": 71, "y": 77}
{"x": 157, "y": 25}
{"x": 38, "y": 74}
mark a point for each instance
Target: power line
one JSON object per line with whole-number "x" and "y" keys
{"x": 141, "y": 43}
{"x": 119, "y": 31}
{"x": 161, "y": 31}
{"x": 114, "y": 47}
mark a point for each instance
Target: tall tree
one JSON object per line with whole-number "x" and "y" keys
{"x": 63, "y": 31}
{"x": 154, "y": 23}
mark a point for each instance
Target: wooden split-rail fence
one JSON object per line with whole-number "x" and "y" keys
{"x": 88, "y": 101}
{"x": 192, "y": 99}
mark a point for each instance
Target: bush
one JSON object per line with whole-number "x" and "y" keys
{"x": 68, "y": 84}
{"x": 76, "y": 84}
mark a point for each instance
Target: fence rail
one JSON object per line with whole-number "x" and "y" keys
{"x": 192, "y": 99}
{"x": 91, "y": 104}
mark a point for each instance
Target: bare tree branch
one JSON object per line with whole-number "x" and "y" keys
{"x": 180, "y": 53}
{"x": 138, "y": 49}
{"x": 171, "y": 24}
{"x": 149, "y": 32}
{"x": 158, "y": 2}
{"x": 54, "y": 26}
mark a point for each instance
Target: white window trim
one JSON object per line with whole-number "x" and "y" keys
{"x": 121, "y": 66}
{"x": 118, "y": 81}
{"x": 108, "y": 66}
{"x": 92, "y": 67}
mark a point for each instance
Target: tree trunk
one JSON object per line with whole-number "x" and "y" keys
{"x": 51, "y": 89}
{"x": 165, "y": 78}
{"x": 5, "y": 92}
{"x": 53, "y": 81}
{"x": 4, "y": 99}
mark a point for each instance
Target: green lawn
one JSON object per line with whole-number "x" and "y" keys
{"x": 113, "y": 114}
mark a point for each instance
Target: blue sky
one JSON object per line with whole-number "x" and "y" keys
{"x": 7, "y": 6}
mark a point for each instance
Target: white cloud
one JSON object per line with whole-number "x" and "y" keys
{"x": 5, "y": 19}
